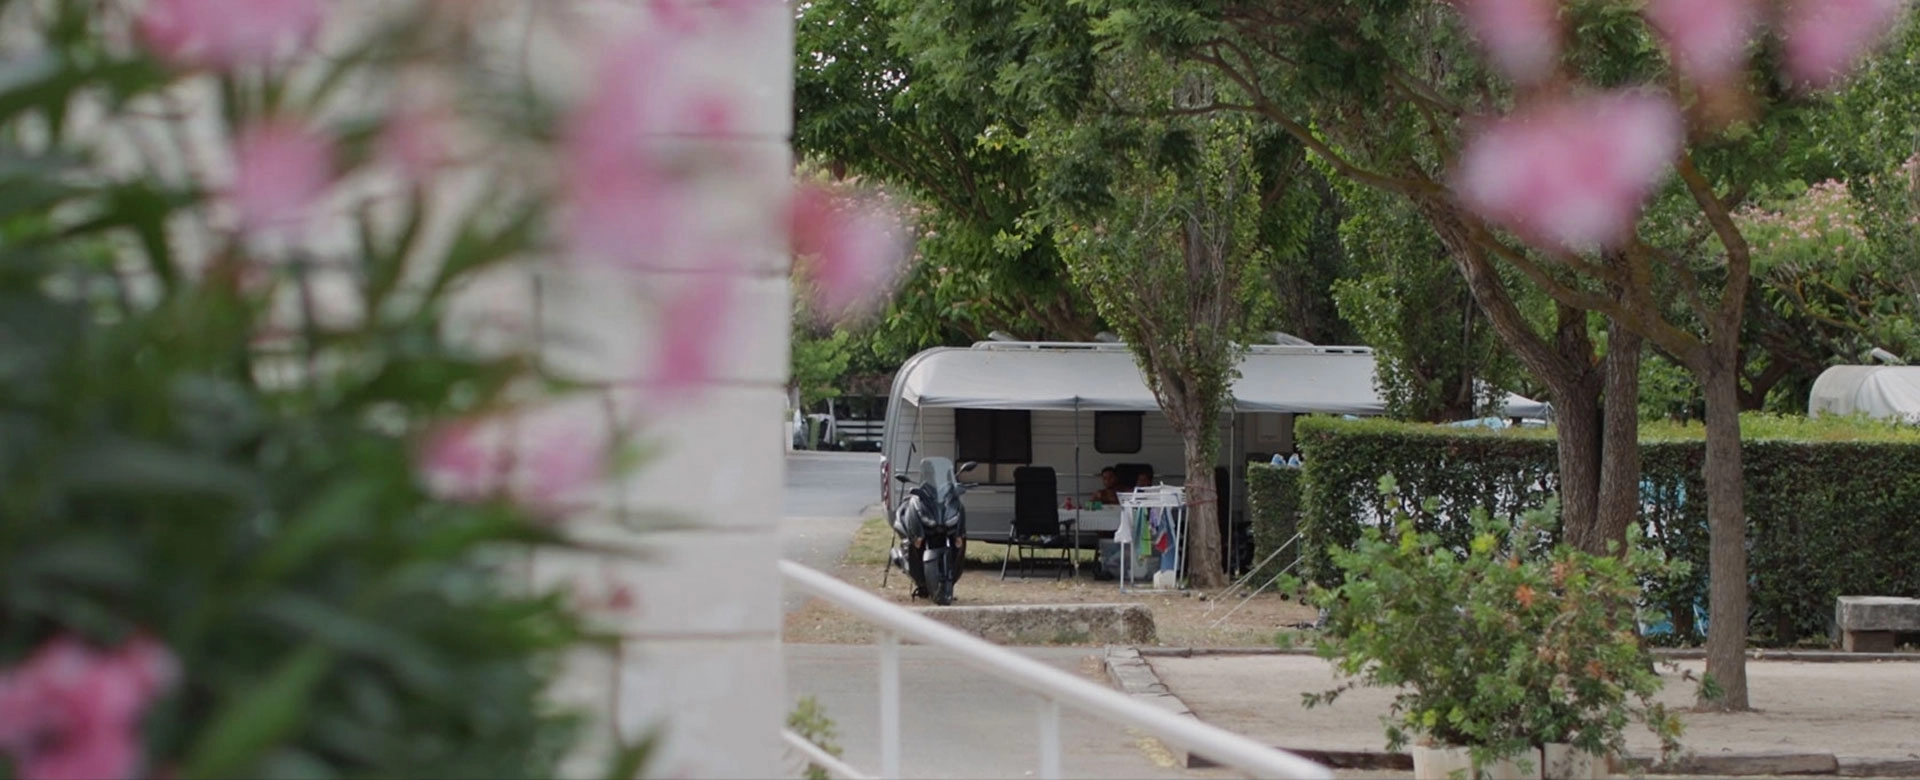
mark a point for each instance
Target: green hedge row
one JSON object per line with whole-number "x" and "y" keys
{"x": 1833, "y": 506}
{"x": 1273, "y": 502}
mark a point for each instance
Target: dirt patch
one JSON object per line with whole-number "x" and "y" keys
{"x": 1190, "y": 619}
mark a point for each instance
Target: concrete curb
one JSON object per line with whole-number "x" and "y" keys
{"x": 1129, "y": 670}
{"x": 1134, "y": 677}
{"x": 1671, "y": 654}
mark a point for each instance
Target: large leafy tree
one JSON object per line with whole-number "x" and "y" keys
{"x": 1438, "y": 356}
{"x": 1170, "y": 251}
{"x": 863, "y": 107}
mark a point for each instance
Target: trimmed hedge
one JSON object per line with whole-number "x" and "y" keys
{"x": 1273, "y": 503}
{"x": 1833, "y": 506}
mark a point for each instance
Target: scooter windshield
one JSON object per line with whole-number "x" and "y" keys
{"x": 937, "y": 473}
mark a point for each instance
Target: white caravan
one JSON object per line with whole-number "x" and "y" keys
{"x": 1079, "y": 407}
{"x": 1886, "y": 392}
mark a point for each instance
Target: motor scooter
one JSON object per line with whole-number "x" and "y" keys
{"x": 931, "y": 527}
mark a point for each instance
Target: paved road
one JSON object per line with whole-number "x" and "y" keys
{"x": 956, "y": 722}
{"x": 826, "y": 495}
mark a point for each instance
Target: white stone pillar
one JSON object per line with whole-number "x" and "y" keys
{"x": 698, "y": 606}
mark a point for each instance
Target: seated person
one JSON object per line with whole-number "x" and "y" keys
{"x": 1143, "y": 480}
{"x": 1109, "y": 491}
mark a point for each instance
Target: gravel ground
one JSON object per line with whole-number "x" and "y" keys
{"x": 1190, "y": 619}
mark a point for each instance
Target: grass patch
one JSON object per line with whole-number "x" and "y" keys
{"x": 875, "y": 538}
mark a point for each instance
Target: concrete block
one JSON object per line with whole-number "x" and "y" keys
{"x": 608, "y": 327}
{"x": 716, "y": 459}
{"x": 681, "y": 584}
{"x": 586, "y": 686}
{"x": 1869, "y": 624}
{"x": 1877, "y": 613}
{"x": 1044, "y": 624}
{"x": 739, "y": 48}
{"x": 716, "y": 703}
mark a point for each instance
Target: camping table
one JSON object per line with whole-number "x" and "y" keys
{"x": 1106, "y": 519}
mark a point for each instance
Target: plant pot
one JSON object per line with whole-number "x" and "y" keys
{"x": 1564, "y": 762}
{"x": 1448, "y": 762}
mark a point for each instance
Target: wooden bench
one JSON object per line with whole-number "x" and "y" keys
{"x": 1869, "y": 624}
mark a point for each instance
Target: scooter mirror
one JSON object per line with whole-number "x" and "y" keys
{"x": 965, "y": 467}
{"x": 902, "y": 478}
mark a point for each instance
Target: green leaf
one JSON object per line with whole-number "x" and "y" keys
{"x": 335, "y": 513}
{"x": 254, "y": 720}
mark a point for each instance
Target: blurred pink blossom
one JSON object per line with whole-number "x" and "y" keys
{"x": 462, "y": 461}
{"x": 628, "y": 195}
{"x": 692, "y": 330}
{"x": 71, "y": 712}
{"x": 1571, "y": 174}
{"x": 415, "y": 139}
{"x": 539, "y": 457}
{"x": 281, "y": 168}
{"x": 1826, "y": 38}
{"x": 618, "y": 192}
{"x": 849, "y": 250}
{"x": 1707, "y": 38}
{"x": 1522, "y": 37}
{"x": 227, "y": 34}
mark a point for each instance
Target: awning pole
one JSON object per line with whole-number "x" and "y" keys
{"x": 1078, "y": 496}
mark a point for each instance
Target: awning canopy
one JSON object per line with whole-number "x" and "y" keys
{"x": 1299, "y": 380}
{"x": 1890, "y": 392}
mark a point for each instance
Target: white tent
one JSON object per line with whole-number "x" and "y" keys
{"x": 1891, "y": 392}
{"x": 1085, "y": 377}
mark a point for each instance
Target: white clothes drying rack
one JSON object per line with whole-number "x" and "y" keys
{"x": 1133, "y": 506}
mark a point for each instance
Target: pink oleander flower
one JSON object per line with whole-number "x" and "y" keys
{"x": 227, "y": 34}
{"x": 1522, "y": 37}
{"x": 849, "y": 250}
{"x": 538, "y": 458}
{"x": 282, "y": 168}
{"x": 1825, "y": 38}
{"x": 71, "y": 712}
{"x": 415, "y": 139}
{"x": 1571, "y": 174}
{"x": 1706, "y": 38}
{"x": 464, "y": 460}
{"x": 692, "y": 330}
{"x": 628, "y": 201}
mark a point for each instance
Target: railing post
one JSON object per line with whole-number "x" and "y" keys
{"x": 1049, "y": 739}
{"x": 889, "y": 705}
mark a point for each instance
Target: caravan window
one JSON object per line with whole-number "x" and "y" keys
{"x": 1117, "y": 432}
{"x": 993, "y": 435}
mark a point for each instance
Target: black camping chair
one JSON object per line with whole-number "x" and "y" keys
{"x": 1129, "y": 474}
{"x": 1036, "y": 522}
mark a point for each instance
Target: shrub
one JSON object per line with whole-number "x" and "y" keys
{"x": 1503, "y": 644}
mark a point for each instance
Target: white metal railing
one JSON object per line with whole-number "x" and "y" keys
{"x": 1054, "y": 688}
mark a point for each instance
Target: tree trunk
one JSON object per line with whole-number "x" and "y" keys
{"x": 1203, "y": 530}
{"x": 1563, "y": 363}
{"x": 1577, "y": 432}
{"x": 1620, "y": 444}
{"x": 1727, "y": 527}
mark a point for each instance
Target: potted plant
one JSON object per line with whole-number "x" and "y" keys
{"x": 1515, "y": 655}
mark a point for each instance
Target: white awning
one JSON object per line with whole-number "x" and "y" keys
{"x": 1298, "y": 380}
{"x": 1890, "y": 392}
